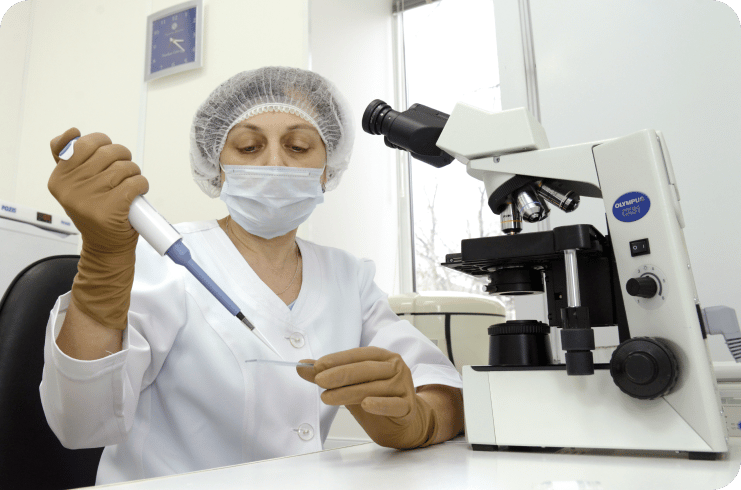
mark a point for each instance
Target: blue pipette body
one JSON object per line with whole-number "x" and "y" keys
{"x": 159, "y": 233}
{"x": 180, "y": 254}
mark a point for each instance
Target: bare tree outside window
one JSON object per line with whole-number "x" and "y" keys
{"x": 451, "y": 56}
{"x": 431, "y": 247}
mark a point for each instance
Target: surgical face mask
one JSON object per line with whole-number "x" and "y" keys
{"x": 270, "y": 201}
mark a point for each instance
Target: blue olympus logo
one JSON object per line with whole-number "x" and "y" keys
{"x": 66, "y": 223}
{"x": 631, "y": 206}
{"x": 8, "y": 209}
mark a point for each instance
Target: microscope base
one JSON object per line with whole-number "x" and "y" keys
{"x": 691, "y": 455}
{"x": 546, "y": 408}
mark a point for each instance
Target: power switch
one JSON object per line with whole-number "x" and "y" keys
{"x": 639, "y": 247}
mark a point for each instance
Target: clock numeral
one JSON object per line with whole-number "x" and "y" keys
{"x": 156, "y": 32}
{"x": 175, "y": 17}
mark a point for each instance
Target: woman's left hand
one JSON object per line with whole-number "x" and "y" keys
{"x": 376, "y": 387}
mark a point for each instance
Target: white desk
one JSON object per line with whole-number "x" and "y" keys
{"x": 454, "y": 465}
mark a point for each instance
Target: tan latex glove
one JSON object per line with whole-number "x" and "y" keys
{"x": 376, "y": 387}
{"x": 95, "y": 187}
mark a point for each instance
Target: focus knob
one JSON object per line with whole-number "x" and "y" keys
{"x": 643, "y": 287}
{"x": 644, "y": 368}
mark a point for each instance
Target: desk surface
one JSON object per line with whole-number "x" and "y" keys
{"x": 454, "y": 465}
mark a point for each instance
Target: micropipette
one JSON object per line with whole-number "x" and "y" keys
{"x": 281, "y": 363}
{"x": 165, "y": 239}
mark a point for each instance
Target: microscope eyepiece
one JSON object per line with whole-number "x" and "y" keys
{"x": 415, "y": 130}
{"x": 374, "y": 116}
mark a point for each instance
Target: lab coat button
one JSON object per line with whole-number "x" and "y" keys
{"x": 305, "y": 432}
{"x": 297, "y": 340}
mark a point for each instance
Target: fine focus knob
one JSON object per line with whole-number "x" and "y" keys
{"x": 644, "y": 368}
{"x": 643, "y": 287}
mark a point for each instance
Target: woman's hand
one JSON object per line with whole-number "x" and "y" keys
{"x": 96, "y": 187}
{"x": 376, "y": 386}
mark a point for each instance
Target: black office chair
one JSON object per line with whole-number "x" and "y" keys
{"x": 31, "y": 456}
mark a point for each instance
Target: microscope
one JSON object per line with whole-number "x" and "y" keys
{"x": 658, "y": 392}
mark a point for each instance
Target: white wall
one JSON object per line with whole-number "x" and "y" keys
{"x": 240, "y": 35}
{"x": 14, "y": 45}
{"x": 81, "y": 63}
{"x": 350, "y": 44}
{"x": 610, "y": 68}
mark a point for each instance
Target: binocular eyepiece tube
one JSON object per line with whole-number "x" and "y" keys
{"x": 375, "y": 114}
{"x": 415, "y": 130}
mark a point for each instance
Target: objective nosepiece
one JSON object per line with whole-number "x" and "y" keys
{"x": 531, "y": 207}
{"x": 556, "y": 194}
{"x": 510, "y": 219}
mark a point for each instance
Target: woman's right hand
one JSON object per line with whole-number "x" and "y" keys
{"x": 96, "y": 187}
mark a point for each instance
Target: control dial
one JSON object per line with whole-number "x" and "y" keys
{"x": 642, "y": 291}
{"x": 644, "y": 368}
{"x": 643, "y": 287}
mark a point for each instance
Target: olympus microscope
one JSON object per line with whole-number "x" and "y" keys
{"x": 658, "y": 392}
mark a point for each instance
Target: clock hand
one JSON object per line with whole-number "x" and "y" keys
{"x": 175, "y": 42}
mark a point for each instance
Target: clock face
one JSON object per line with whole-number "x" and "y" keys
{"x": 173, "y": 40}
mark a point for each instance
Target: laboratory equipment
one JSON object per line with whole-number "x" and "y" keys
{"x": 456, "y": 322}
{"x": 27, "y": 235}
{"x": 165, "y": 239}
{"x": 728, "y": 374}
{"x": 722, "y": 320}
{"x": 658, "y": 392}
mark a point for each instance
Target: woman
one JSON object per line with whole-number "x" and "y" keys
{"x": 147, "y": 363}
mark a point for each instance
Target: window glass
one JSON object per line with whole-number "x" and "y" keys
{"x": 450, "y": 56}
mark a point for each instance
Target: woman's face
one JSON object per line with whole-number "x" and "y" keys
{"x": 277, "y": 139}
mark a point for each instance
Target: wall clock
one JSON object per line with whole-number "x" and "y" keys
{"x": 174, "y": 40}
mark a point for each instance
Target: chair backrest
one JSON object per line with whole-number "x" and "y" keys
{"x": 31, "y": 456}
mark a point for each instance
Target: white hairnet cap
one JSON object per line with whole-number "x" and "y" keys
{"x": 273, "y": 88}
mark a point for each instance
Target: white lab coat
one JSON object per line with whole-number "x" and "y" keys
{"x": 180, "y": 397}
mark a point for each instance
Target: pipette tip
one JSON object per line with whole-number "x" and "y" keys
{"x": 282, "y": 363}
{"x": 244, "y": 320}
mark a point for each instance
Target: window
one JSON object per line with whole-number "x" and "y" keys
{"x": 450, "y": 56}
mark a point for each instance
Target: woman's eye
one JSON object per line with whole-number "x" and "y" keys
{"x": 248, "y": 149}
{"x": 297, "y": 149}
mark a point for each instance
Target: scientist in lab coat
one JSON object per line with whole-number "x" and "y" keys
{"x": 141, "y": 359}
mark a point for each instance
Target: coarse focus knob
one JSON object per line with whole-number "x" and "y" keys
{"x": 644, "y": 368}
{"x": 643, "y": 287}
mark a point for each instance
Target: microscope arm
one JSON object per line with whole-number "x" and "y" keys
{"x": 497, "y": 146}
{"x": 572, "y": 165}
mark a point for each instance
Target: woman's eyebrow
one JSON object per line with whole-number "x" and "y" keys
{"x": 249, "y": 126}
{"x": 258, "y": 129}
{"x": 302, "y": 126}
